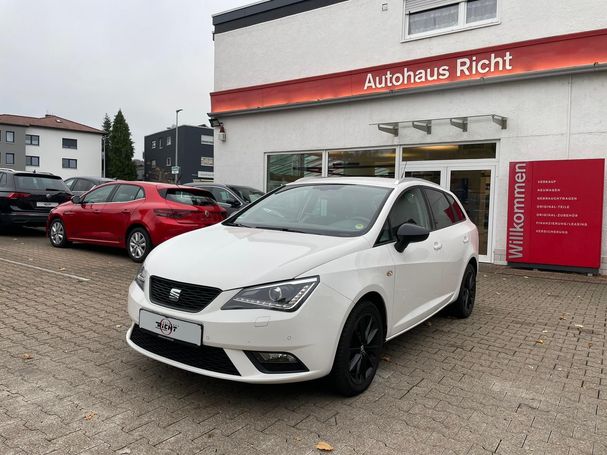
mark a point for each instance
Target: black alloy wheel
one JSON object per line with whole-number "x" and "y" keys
{"x": 359, "y": 349}
{"x": 463, "y": 306}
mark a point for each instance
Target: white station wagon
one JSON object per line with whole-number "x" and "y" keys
{"x": 310, "y": 280}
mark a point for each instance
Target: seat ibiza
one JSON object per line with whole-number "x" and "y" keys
{"x": 310, "y": 280}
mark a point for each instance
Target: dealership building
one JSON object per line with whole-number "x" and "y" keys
{"x": 504, "y": 102}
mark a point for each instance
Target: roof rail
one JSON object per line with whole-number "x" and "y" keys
{"x": 6, "y": 169}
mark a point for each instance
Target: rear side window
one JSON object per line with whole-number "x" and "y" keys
{"x": 410, "y": 207}
{"x": 126, "y": 193}
{"x": 456, "y": 209}
{"x": 223, "y": 195}
{"x": 2, "y": 179}
{"x": 442, "y": 212}
{"x": 39, "y": 182}
{"x": 83, "y": 185}
{"x": 70, "y": 183}
{"x": 189, "y": 197}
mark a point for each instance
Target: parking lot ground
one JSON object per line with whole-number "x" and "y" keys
{"x": 525, "y": 374}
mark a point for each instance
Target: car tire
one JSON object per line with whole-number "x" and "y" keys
{"x": 359, "y": 349}
{"x": 138, "y": 244}
{"x": 57, "y": 235}
{"x": 463, "y": 306}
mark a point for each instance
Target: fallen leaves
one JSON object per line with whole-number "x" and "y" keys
{"x": 125, "y": 451}
{"x": 579, "y": 326}
{"x": 89, "y": 416}
{"x": 62, "y": 269}
{"x": 386, "y": 358}
{"x": 324, "y": 446}
{"x": 539, "y": 341}
{"x": 27, "y": 356}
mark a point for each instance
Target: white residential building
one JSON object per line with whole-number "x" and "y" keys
{"x": 50, "y": 144}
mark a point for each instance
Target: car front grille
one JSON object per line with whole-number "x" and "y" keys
{"x": 203, "y": 357}
{"x": 181, "y": 296}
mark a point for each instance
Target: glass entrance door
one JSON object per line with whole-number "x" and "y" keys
{"x": 473, "y": 186}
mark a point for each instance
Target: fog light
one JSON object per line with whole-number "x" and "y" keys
{"x": 276, "y": 362}
{"x": 275, "y": 357}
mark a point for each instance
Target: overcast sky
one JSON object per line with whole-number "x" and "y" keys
{"x": 82, "y": 58}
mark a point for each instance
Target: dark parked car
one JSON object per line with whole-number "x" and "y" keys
{"x": 230, "y": 197}
{"x": 132, "y": 215}
{"x": 26, "y": 198}
{"x": 80, "y": 185}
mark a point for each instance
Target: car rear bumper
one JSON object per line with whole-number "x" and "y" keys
{"x": 24, "y": 218}
{"x": 170, "y": 228}
{"x": 310, "y": 334}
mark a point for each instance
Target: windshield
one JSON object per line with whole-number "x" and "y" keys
{"x": 246, "y": 193}
{"x": 189, "y": 197}
{"x": 328, "y": 209}
{"x": 40, "y": 182}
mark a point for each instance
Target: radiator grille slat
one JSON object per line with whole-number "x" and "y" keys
{"x": 192, "y": 298}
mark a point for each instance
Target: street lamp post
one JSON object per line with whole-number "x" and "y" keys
{"x": 177, "y": 142}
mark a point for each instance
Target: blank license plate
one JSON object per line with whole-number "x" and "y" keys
{"x": 170, "y": 328}
{"x": 47, "y": 204}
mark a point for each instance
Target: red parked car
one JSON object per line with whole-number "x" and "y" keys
{"x": 132, "y": 215}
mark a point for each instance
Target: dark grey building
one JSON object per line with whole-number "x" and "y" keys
{"x": 195, "y": 158}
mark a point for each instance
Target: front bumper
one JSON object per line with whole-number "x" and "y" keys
{"x": 311, "y": 334}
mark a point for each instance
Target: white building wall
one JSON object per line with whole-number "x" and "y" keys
{"x": 51, "y": 152}
{"x": 357, "y": 34}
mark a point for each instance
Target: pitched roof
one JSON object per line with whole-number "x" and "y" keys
{"x": 48, "y": 121}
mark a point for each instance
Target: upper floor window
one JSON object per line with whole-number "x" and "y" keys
{"x": 9, "y": 158}
{"x": 31, "y": 160}
{"x": 206, "y": 139}
{"x": 70, "y": 143}
{"x": 159, "y": 143}
{"x": 153, "y": 144}
{"x": 431, "y": 17}
{"x": 168, "y": 140}
{"x": 168, "y": 160}
{"x": 10, "y": 136}
{"x": 68, "y": 163}
{"x": 32, "y": 139}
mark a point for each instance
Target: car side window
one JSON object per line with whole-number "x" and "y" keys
{"x": 222, "y": 195}
{"x": 98, "y": 195}
{"x": 70, "y": 183}
{"x": 83, "y": 185}
{"x": 442, "y": 212}
{"x": 3, "y": 179}
{"x": 127, "y": 193}
{"x": 456, "y": 208}
{"x": 410, "y": 207}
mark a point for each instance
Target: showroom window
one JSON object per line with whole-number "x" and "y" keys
{"x": 362, "y": 163}
{"x": 441, "y": 152}
{"x": 430, "y": 17}
{"x": 32, "y": 160}
{"x": 32, "y": 139}
{"x": 287, "y": 167}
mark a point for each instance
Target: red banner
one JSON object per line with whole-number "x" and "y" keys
{"x": 555, "y": 213}
{"x": 554, "y": 53}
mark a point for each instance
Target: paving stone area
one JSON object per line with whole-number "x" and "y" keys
{"x": 525, "y": 374}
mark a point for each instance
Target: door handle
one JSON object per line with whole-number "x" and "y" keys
{"x": 466, "y": 238}
{"x": 126, "y": 211}
{"x": 437, "y": 246}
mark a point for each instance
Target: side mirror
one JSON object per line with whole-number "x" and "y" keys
{"x": 76, "y": 200}
{"x": 233, "y": 203}
{"x": 409, "y": 233}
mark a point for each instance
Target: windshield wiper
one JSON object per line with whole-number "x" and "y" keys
{"x": 276, "y": 228}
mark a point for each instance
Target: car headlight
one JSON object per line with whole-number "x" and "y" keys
{"x": 141, "y": 277}
{"x": 282, "y": 296}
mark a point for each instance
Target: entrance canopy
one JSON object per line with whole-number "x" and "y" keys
{"x": 426, "y": 124}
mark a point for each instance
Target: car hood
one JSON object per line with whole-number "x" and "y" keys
{"x": 228, "y": 257}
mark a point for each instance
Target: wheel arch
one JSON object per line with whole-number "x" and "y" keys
{"x": 376, "y": 299}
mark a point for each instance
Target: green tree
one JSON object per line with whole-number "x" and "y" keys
{"x": 120, "y": 162}
{"x": 107, "y": 129}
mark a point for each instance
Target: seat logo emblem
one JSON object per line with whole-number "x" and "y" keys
{"x": 174, "y": 294}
